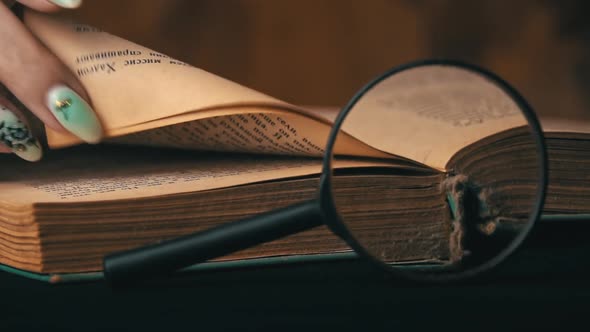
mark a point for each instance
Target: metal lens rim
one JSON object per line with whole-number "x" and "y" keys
{"x": 335, "y": 222}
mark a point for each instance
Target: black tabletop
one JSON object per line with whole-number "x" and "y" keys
{"x": 346, "y": 295}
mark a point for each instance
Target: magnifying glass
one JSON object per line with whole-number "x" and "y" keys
{"x": 477, "y": 165}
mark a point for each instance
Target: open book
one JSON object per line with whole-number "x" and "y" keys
{"x": 237, "y": 152}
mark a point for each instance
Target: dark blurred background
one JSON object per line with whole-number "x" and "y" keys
{"x": 321, "y": 51}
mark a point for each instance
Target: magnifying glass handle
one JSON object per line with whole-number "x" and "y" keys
{"x": 165, "y": 257}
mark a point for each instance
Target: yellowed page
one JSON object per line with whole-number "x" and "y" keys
{"x": 137, "y": 90}
{"x": 130, "y": 84}
{"x": 560, "y": 125}
{"x": 427, "y": 114}
{"x": 251, "y": 131}
{"x": 101, "y": 174}
{"x": 134, "y": 89}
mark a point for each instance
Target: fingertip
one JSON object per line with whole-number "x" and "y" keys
{"x": 29, "y": 156}
{"x": 50, "y": 6}
{"x": 40, "y": 5}
{"x": 74, "y": 113}
{"x": 32, "y": 153}
{"x": 68, "y": 4}
{"x": 54, "y": 125}
{"x": 16, "y": 137}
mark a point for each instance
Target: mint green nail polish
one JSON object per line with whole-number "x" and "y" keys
{"x": 67, "y": 3}
{"x": 74, "y": 114}
{"x": 15, "y": 134}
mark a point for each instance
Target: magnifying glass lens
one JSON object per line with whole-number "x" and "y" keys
{"x": 454, "y": 175}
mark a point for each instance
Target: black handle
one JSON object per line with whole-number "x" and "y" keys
{"x": 162, "y": 258}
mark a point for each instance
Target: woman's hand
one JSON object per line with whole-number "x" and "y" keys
{"x": 42, "y": 83}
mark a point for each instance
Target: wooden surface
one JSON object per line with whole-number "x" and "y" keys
{"x": 320, "y": 52}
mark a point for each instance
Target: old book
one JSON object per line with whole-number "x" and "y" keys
{"x": 187, "y": 150}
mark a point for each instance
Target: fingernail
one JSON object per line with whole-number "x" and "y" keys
{"x": 16, "y": 135}
{"x": 67, "y": 3}
{"x": 74, "y": 113}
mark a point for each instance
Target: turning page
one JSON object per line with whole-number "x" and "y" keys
{"x": 165, "y": 102}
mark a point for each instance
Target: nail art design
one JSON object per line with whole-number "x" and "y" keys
{"x": 74, "y": 114}
{"x": 63, "y": 106}
{"x": 67, "y": 3}
{"x": 15, "y": 134}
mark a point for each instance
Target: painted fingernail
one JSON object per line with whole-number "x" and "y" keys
{"x": 74, "y": 114}
{"x": 67, "y": 3}
{"x": 16, "y": 135}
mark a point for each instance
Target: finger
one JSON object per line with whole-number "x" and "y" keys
{"x": 15, "y": 135}
{"x": 51, "y": 5}
{"x": 8, "y": 3}
{"x": 43, "y": 83}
